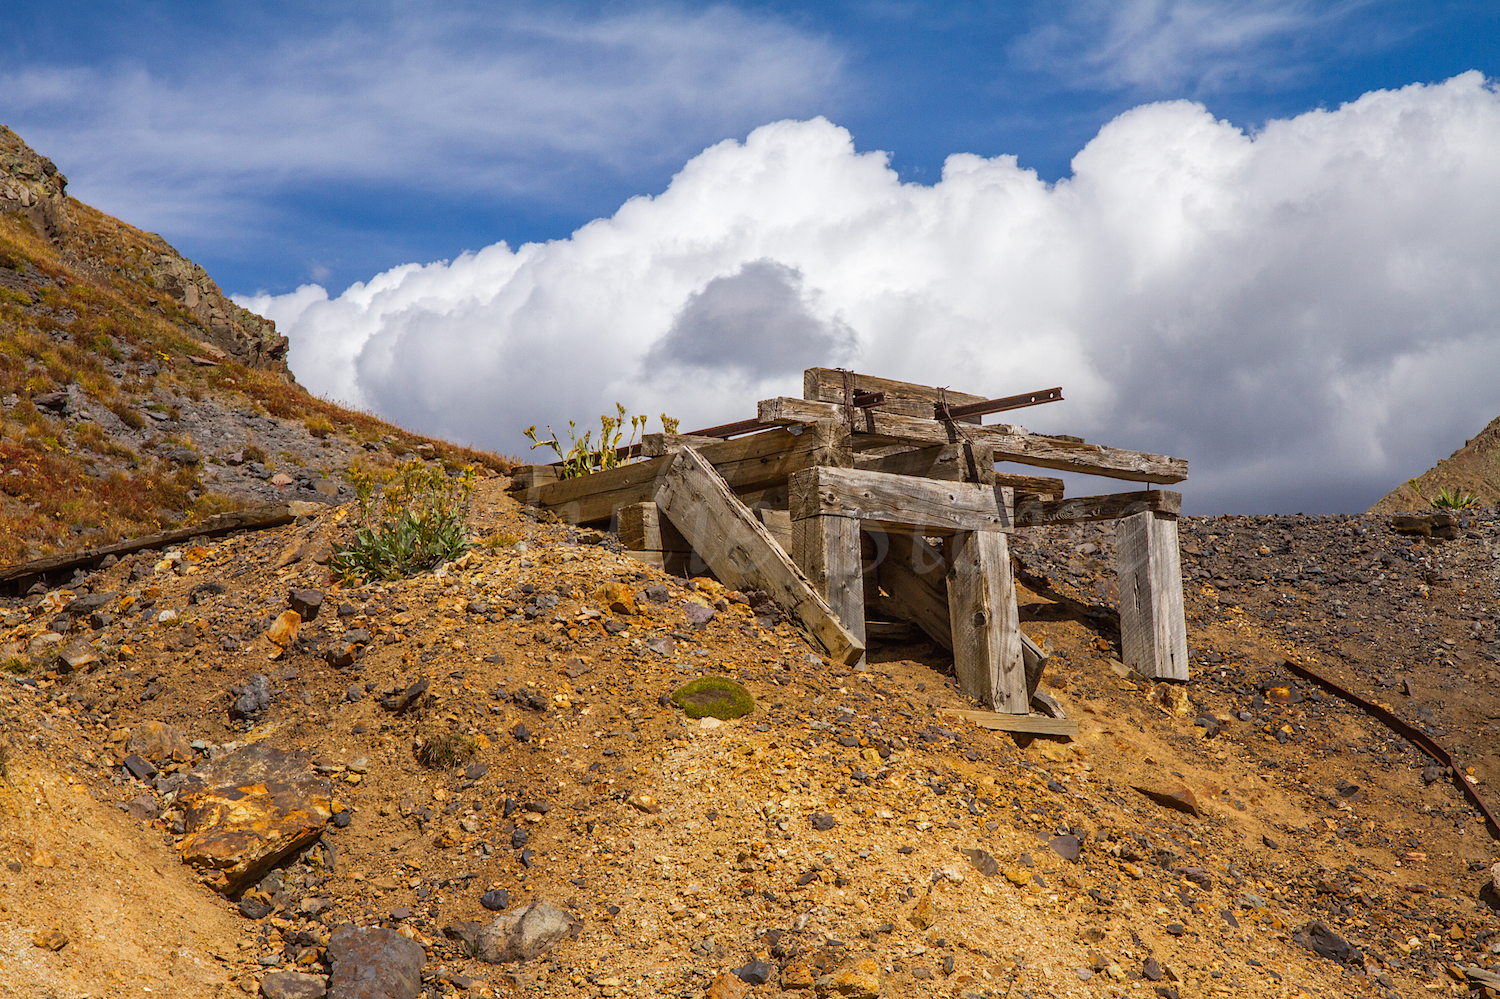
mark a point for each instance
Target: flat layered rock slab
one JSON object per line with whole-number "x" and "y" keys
{"x": 248, "y": 810}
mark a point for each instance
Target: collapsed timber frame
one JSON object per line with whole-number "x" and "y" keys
{"x": 870, "y": 496}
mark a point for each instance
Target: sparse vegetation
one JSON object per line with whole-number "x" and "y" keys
{"x": 1452, "y": 499}
{"x": 409, "y": 523}
{"x": 445, "y": 749}
{"x": 582, "y": 457}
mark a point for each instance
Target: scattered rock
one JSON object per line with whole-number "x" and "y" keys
{"x": 797, "y": 975}
{"x": 714, "y": 697}
{"x": 755, "y": 973}
{"x": 495, "y": 900}
{"x": 822, "y": 821}
{"x": 1065, "y": 846}
{"x": 283, "y": 630}
{"x": 50, "y": 939}
{"x": 983, "y": 862}
{"x": 156, "y": 740}
{"x": 403, "y": 700}
{"x": 925, "y": 914}
{"x": 696, "y": 613}
{"x": 143, "y": 807}
{"x": 1176, "y": 796}
{"x": 254, "y": 908}
{"x": 618, "y": 597}
{"x": 139, "y": 768}
{"x": 306, "y": 603}
{"x": 292, "y": 985}
{"x": 856, "y": 978}
{"x": 524, "y": 934}
{"x": 727, "y": 986}
{"x": 251, "y": 700}
{"x": 643, "y": 802}
{"x": 247, "y": 810}
{"x": 372, "y": 963}
{"x": 1317, "y": 937}
{"x": 78, "y": 655}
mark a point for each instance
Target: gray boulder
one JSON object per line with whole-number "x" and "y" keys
{"x": 523, "y": 934}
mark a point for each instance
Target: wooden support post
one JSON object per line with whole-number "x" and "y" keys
{"x": 1153, "y": 632}
{"x": 985, "y": 622}
{"x": 827, "y": 550}
{"x": 743, "y": 554}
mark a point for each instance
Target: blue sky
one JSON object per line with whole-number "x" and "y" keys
{"x": 1264, "y": 235}
{"x": 282, "y": 143}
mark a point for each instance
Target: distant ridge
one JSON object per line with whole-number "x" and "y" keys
{"x": 1473, "y": 468}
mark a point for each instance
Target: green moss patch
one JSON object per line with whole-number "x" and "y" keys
{"x": 713, "y": 697}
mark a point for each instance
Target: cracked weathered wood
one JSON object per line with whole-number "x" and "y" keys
{"x": 1023, "y": 724}
{"x": 1032, "y": 512}
{"x": 742, "y": 554}
{"x": 907, "y": 398}
{"x": 827, "y": 550}
{"x": 1153, "y": 631}
{"x": 900, "y": 502}
{"x": 1008, "y": 443}
{"x": 985, "y": 622}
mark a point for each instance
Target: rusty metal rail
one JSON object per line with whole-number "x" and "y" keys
{"x": 1408, "y": 731}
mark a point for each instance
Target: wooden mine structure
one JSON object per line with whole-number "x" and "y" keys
{"x": 869, "y": 496}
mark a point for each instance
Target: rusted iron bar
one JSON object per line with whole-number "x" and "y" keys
{"x": 1413, "y": 734}
{"x": 942, "y": 412}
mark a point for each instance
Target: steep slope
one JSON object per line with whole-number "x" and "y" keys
{"x": 135, "y": 394}
{"x": 1473, "y": 468}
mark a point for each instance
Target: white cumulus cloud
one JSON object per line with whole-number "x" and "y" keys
{"x": 1310, "y": 313}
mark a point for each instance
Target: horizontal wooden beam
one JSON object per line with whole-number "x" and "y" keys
{"x": 747, "y": 463}
{"x": 1079, "y": 509}
{"x": 827, "y": 385}
{"x": 897, "y": 502}
{"x": 1035, "y": 484}
{"x": 1032, "y": 724}
{"x": 945, "y": 462}
{"x": 1007, "y": 443}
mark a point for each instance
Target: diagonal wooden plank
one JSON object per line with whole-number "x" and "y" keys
{"x": 1008, "y": 443}
{"x": 742, "y": 553}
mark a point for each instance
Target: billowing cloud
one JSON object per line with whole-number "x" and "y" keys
{"x": 1310, "y": 313}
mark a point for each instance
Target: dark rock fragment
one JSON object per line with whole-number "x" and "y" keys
{"x": 371, "y": 963}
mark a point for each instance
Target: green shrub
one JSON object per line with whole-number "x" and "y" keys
{"x": 414, "y": 524}
{"x": 713, "y": 696}
{"x": 1452, "y": 499}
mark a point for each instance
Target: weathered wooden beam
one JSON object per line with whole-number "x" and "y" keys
{"x": 1020, "y": 724}
{"x": 742, "y": 554}
{"x": 1035, "y": 485}
{"x": 533, "y": 476}
{"x": 778, "y": 523}
{"x": 827, "y": 385}
{"x": 827, "y": 550}
{"x": 253, "y": 518}
{"x": 655, "y": 445}
{"x": 944, "y": 462}
{"x": 899, "y": 502}
{"x": 1153, "y": 631}
{"x": 1079, "y": 509}
{"x": 748, "y": 463}
{"x": 641, "y": 527}
{"x": 1009, "y": 443}
{"x": 985, "y": 621}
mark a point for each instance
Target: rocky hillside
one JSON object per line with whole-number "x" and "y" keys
{"x": 225, "y": 772}
{"x": 475, "y": 781}
{"x": 1473, "y": 468}
{"x": 135, "y": 395}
